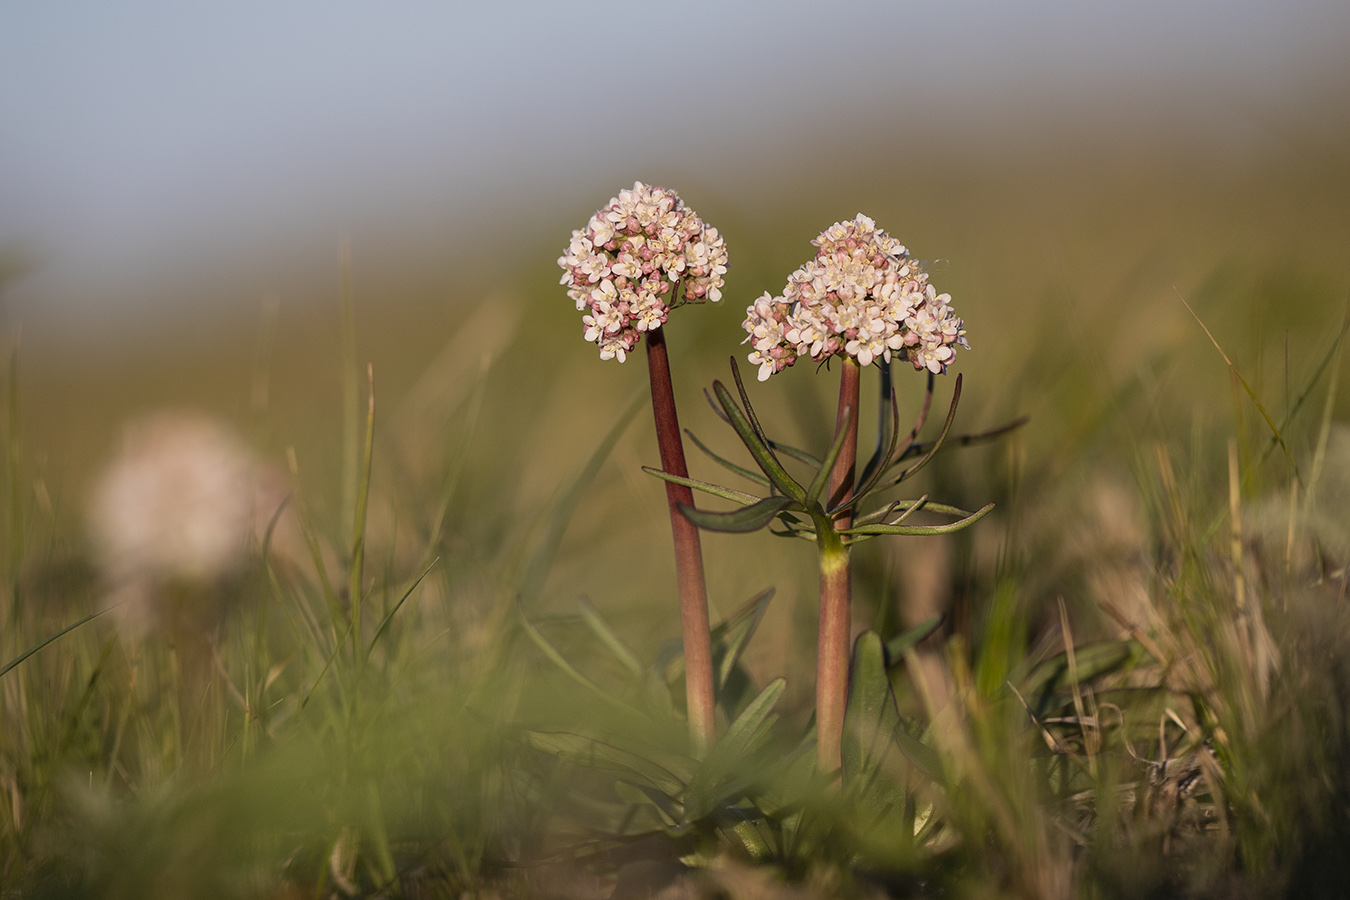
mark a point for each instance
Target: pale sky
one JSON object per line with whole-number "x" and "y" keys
{"x": 141, "y": 135}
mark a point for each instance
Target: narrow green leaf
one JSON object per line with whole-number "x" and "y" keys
{"x": 888, "y": 436}
{"x": 731, "y": 636}
{"x": 793, "y": 453}
{"x": 919, "y": 422}
{"x": 923, "y": 501}
{"x": 561, "y": 662}
{"x": 745, "y": 400}
{"x": 937, "y": 444}
{"x": 740, "y": 735}
{"x": 757, "y": 844}
{"x": 870, "y": 724}
{"x": 707, "y": 787}
{"x": 910, "y": 510}
{"x": 637, "y": 795}
{"x": 777, "y": 447}
{"x": 924, "y": 757}
{"x": 745, "y": 473}
{"x": 601, "y": 628}
{"x": 716, "y": 490}
{"x": 751, "y": 518}
{"x": 921, "y": 529}
{"x": 764, "y": 457}
{"x": 836, "y": 447}
{"x": 590, "y": 752}
{"x": 969, "y": 439}
{"x": 897, "y": 646}
{"x": 1093, "y": 661}
{"x": 1004, "y": 637}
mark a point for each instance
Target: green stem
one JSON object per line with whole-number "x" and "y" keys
{"x": 836, "y": 590}
{"x": 698, "y": 674}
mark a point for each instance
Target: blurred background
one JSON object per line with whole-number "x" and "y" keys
{"x": 177, "y": 184}
{"x": 214, "y": 217}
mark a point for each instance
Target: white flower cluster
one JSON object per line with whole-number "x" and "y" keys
{"x": 861, "y": 295}
{"x": 638, "y": 258}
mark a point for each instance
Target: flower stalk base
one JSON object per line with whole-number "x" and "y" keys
{"x": 698, "y": 673}
{"x": 836, "y": 587}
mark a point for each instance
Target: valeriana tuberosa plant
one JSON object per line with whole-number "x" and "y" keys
{"x": 638, "y": 258}
{"x": 863, "y": 300}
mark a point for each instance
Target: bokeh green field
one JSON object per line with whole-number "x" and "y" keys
{"x": 325, "y": 772}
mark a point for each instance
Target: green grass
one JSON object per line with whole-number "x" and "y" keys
{"x": 469, "y": 726}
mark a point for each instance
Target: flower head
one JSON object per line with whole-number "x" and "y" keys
{"x": 862, "y": 296}
{"x": 638, "y": 258}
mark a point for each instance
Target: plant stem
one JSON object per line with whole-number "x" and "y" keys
{"x": 698, "y": 676}
{"x": 836, "y": 590}
{"x": 841, "y": 479}
{"x": 832, "y": 650}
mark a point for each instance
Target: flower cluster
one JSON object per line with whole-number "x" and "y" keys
{"x": 638, "y": 258}
{"x": 861, "y": 295}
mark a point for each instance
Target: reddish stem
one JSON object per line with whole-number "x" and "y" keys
{"x": 841, "y": 479}
{"x": 836, "y": 590}
{"x": 832, "y": 655}
{"x": 698, "y": 676}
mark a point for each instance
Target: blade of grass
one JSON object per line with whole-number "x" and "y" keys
{"x": 601, "y": 629}
{"x": 555, "y": 656}
{"x": 312, "y": 543}
{"x": 13, "y": 458}
{"x": 591, "y": 752}
{"x": 1333, "y": 353}
{"x": 536, "y": 571}
{"x": 384, "y": 623}
{"x": 13, "y": 663}
{"x": 356, "y": 586}
{"x": 898, "y": 646}
{"x": 1260, "y": 407}
{"x": 351, "y": 387}
{"x": 1089, "y": 736}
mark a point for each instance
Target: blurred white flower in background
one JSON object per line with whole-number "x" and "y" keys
{"x": 174, "y": 511}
